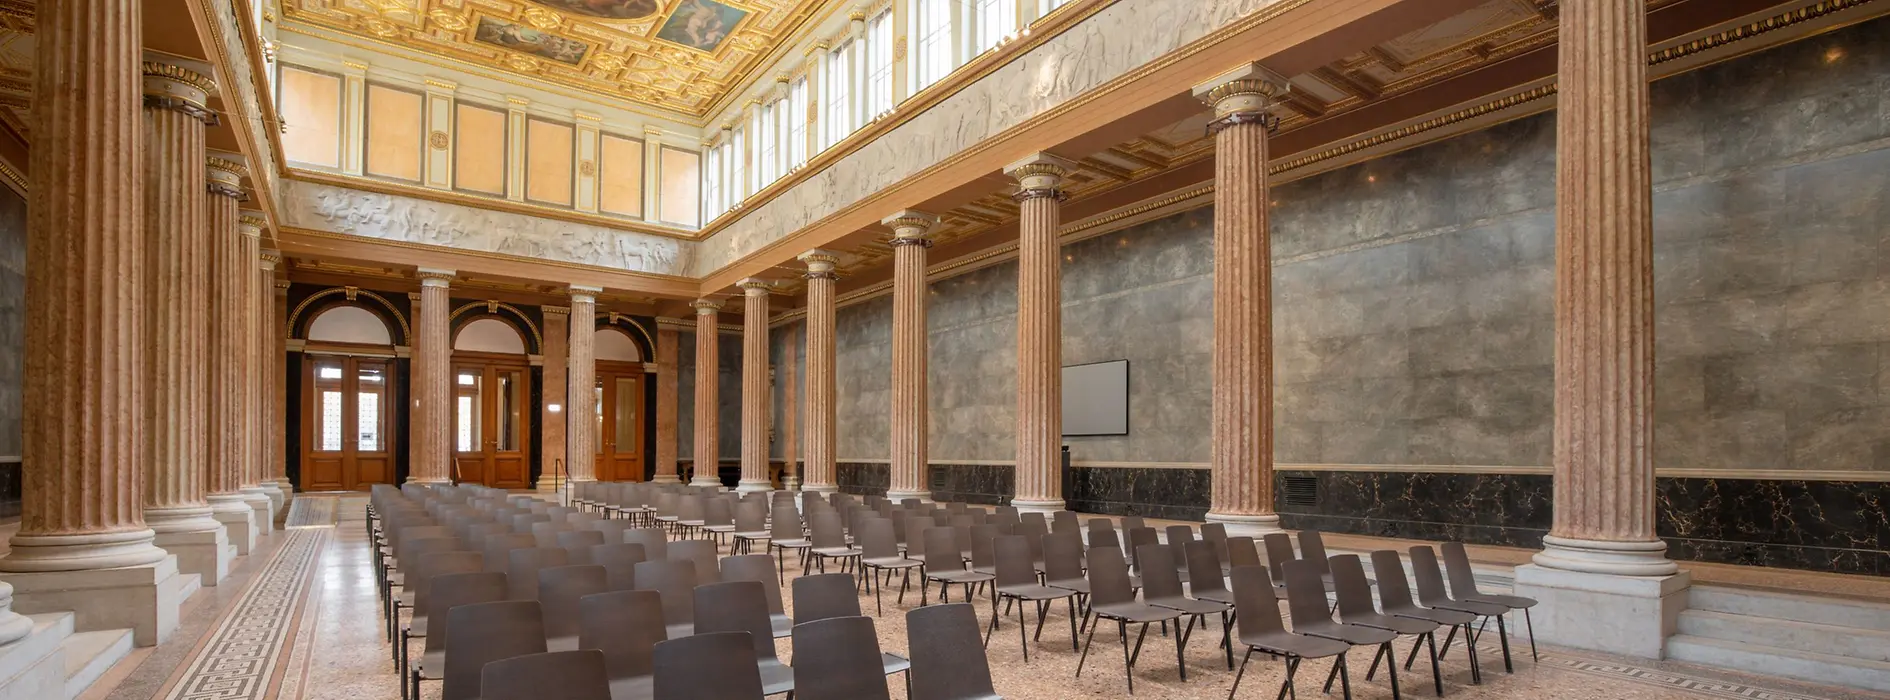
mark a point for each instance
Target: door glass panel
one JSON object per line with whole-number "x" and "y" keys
{"x": 372, "y": 385}
{"x": 626, "y": 415}
{"x": 597, "y": 428}
{"x": 509, "y": 411}
{"x": 329, "y": 420}
{"x": 466, "y": 407}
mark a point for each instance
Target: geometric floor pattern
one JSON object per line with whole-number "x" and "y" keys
{"x": 240, "y": 658}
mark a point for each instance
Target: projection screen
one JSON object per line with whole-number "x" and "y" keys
{"x": 1096, "y": 399}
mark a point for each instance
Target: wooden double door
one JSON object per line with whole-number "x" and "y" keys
{"x": 491, "y": 425}
{"x": 346, "y": 405}
{"x": 619, "y": 428}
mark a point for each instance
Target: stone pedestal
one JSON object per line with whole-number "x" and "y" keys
{"x": 206, "y": 553}
{"x": 143, "y": 598}
{"x": 32, "y": 666}
{"x": 1630, "y": 615}
{"x": 239, "y": 522}
{"x": 755, "y": 392}
{"x": 708, "y": 394}
{"x": 908, "y": 421}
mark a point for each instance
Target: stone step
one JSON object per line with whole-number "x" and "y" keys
{"x": 1853, "y": 642}
{"x": 1775, "y": 661}
{"x": 90, "y": 654}
{"x": 29, "y": 667}
{"x": 1789, "y": 606}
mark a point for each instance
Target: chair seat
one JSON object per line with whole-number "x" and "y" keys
{"x": 633, "y": 688}
{"x": 1188, "y": 605}
{"x": 960, "y": 576}
{"x": 1031, "y": 591}
{"x": 1350, "y": 634}
{"x": 432, "y": 666}
{"x": 719, "y": 528}
{"x": 894, "y": 663}
{"x": 1299, "y": 645}
{"x": 1509, "y": 601}
{"x": 417, "y": 626}
{"x": 1474, "y": 607}
{"x": 406, "y": 599}
{"x": 790, "y": 544}
{"x": 691, "y": 523}
{"x": 892, "y": 562}
{"x": 1401, "y": 625}
{"x": 776, "y": 677}
{"x": 752, "y": 535}
{"x": 838, "y": 551}
{"x": 562, "y": 643}
{"x": 1135, "y": 611}
{"x": 1079, "y": 585}
{"x": 783, "y": 625}
{"x": 1439, "y": 616}
{"x": 679, "y": 630}
{"x": 1222, "y": 596}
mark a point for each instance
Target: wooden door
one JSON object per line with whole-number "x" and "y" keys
{"x": 490, "y": 421}
{"x": 619, "y": 446}
{"x": 346, "y": 401}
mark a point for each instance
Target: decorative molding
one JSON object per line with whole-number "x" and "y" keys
{"x": 492, "y": 308}
{"x": 352, "y": 295}
{"x": 487, "y": 202}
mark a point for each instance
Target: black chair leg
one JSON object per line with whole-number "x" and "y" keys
{"x": 1531, "y": 624}
{"x": 1345, "y": 678}
{"x": 1502, "y": 635}
{"x": 1128, "y": 660}
{"x": 1227, "y": 638}
{"x": 1243, "y": 672}
{"x": 1391, "y": 668}
{"x": 1181, "y": 641}
{"x": 1437, "y": 677}
{"x": 1072, "y": 600}
{"x": 1087, "y": 642}
{"x": 1023, "y": 639}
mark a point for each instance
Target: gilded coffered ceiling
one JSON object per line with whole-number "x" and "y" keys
{"x": 675, "y": 55}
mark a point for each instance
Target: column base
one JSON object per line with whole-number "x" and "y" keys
{"x": 1024, "y": 505}
{"x": 820, "y": 488}
{"x": 239, "y": 522}
{"x": 754, "y": 486}
{"x": 1254, "y": 526}
{"x": 13, "y": 626}
{"x": 1606, "y": 557}
{"x": 144, "y": 598}
{"x": 897, "y": 496}
{"x": 265, "y": 516}
{"x": 206, "y": 553}
{"x": 666, "y": 479}
{"x": 83, "y": 552}
{"x": 277, "y": 501}
{"x": 1629, "y": 615}
{"x": 549, "y": 483}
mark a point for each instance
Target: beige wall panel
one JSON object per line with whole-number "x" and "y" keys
{"x": 311, "y": 108}
{"x": 479, "y": 150}
{"x": 548, "y": 162}
{"x": 396, "y": 132}
{"x": 621, "y": 177}
{"x": 682, "y": 184}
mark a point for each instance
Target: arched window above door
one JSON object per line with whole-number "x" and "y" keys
{"x": 614, "y": 345}
{"x": 349, "y": 324}
{"x": 490, "y": 335}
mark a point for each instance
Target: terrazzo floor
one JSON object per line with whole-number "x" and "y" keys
{"x": 299, "y": 620}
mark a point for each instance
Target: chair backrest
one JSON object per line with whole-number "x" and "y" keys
{"x": 619, "y": 562}
{"x": 1306, "y": 595}
{"x": 1204, "y": 568}
{"x": 1394, "y": 594}
{"x": 1463, "y": 580}
{"x": 547, "y": 532}
{"x": 1132, "y": 522}
{"x": 980, "y": 537}
{"x": 475, "y": 534}
{"x": 1256, "y": 609}
{"x": 1062, "y": 557}
{"x": 1279, "y": 551}
{"x": 717, "y": 666}
{"x": 838, "y": 659}
{"x": 1160, "y": 578}
{"x": 522, "y": 523}
{"x": 655, "y": 545}
{"x": 1064, "y": 521}
{"x": 625, "y": 625}
{"x": 1216, "y": 533}
{"x": 786, "y": 525}
{"x": 521, "y": 572}
{"x": 1430, "y": 581}
{"x": 941, "y": 550}
{"x": 824, "y": 596}
{"x": 450, "y": 591}
{"x": 1312, "y": 548}
{"x": 948, "y": 660}
{"x": 1104, "y": 537}
{"x": 1179, "y": 535}
{"x": 415, "y": 550}
{"x": 1033, "y": 518}
{"x": 557, "y": 675}
{"x": 877, "y": 540}
{"x": 559, "y": 589}
{"x": 1014, "y": 567}
{"x": 718, "y": 512}
{"x": 676, "y": 582}
{"x": 701, "y": 553}
{"x": 1354, "y": 591}
{"x": 1139, "y": 537}
{"x": 499, "y": 549}
{"x": 1240, "y": 552}
{"x": 827, "y": 531}
{"x": 758, "y": 568}
{"x": 751, "y": 516}
{"x": 439, "y": 564}
{"x": 1108, "y": 577}
{"x": 577, "y": 544}
{"x": 485, "y": 632}
{"x": 736, "y": 606}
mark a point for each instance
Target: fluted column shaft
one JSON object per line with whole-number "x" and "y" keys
{"x": 263, "y": 379}
{"x": 552, "y": 455}
{"x": 229, "y": 277}
{"x": 666, "y": 400}
{"x": 909, "y": 426}
{"x": 1039, "y": 475}
{"x": 249, "y": 381}
{"x": 1604, "y": 298}
{"x": 177, "y": 329}
{"x": 433, "y": 390}
{"x": 84, "y": 368}
{"x": 580, "y": 425}
{"x": 755, "y": 395}
{"x": 708, "y": 358}
{"x": 279, "y": 369}
{"x": 820, "y": 434}
{"x": 1241, "y": 453}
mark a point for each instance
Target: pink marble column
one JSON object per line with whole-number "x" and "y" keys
{"x": 667, "y": 400}
{"x": 251, "y": 226}
{"x": 580, "y": 420}
{"x": 754, "y": 386}
{"x": 278, "y": 409}
{"x": 1604, "y": 299}
{"x": 268, "y": 355}
{"x": 820, "y": 471}
{"x": 552, "y": 456}
{"x": 707, "y": 455}
{"x": 908, "y": 420}
{"x": 1241, "y": 454}
{"x": 229, "y": 276}
{"x": 433, "y": 390}
{"x": 1039, "y": 474}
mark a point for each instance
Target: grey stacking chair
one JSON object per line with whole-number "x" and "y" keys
{"x": 879, "y": 555}
{"x": 546, "y": 533}
{"x": 1104, "y": 537}
{"x": 718, "y": 519}
{"x": 577, "y": 545}
{"x": 1033, "y": 532}
{"x": 1306, "y": 598}
{"x": 655, "y": 543}
{"x": 690, "y": 514}
{"x": 499, "y": 548}
{"x": 948, "y": 663}
{"x": 827, "y": 596}
{"x": 1238, "y": 552}
{"x": 1279, "y": 551}
{"x": 785, "y": 533}
{"x": 718, "y": 666}
{"x": 476, "y": 534}
{"x": 412, "y": 550}
{"x": 1177, "y": 536}
{"x": 1162, "y": 587}
{"x": 945, "y": 565}
{"x": 1394, "y": 596}
{"x": 1312, "y": 549}
{"x": 675, "y": 581}
{"x": 522, "y": 523}
{"x": 1017, "y": 581}
{"x": 1137, "y": 538}
{"x": 557, "y": 675}
{"x": 485, "y": 632}
{"x": 1355, "y": 608}
{"x": 838, "y": 659}
{"x": 756, "y": 567}
{"x": 626, "y": 626}
{"x": 740, "y": 606}
{"x": 1206, "y": 583}
{"x": 559, "y": 589}
{"x": 983, "y": 558}
{"x": 422, "y": 566}
{"x": 521, "y": 571}
{"x": 1111, "y": 598}
{"x": 1216, "y": 534}
{"x": 1430, "y": 593}
{"x": 830, "y": 542}
{"x": 436, "y": 566}
{"x": 1132, "y": 522}
{"x": 1064, "y": 521}
{"x": 1257, "y": 614}
{"x": 701, "y": 553}
{"x": 619, "y": 562}
{"x": 612, "y": 529}
{"x": 751, "y": 526}
{"x": 1463, "y": 586}
{"x": 447, "y": 592}
{"x": 1063, "y": 565}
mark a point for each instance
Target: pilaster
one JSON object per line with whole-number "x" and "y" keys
{"x": 551, "y": 450}
{"x": 667, "y": 340}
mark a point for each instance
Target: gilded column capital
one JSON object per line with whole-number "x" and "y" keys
{"x": 270, "y": 258}
{"x": 282, "y": 287}
{"x": 225, "y": 177}
{"x": 251, "y": 225}
{"x": 583, "y": 294}
{"x": 755, "y": 286}
{"x": 173, "y": 87}
{"x": 910, "y": 227}
{"x": 1242, "y": 96}
{"x": 706, "y": 307}
{"x": 434, "y": 277}
{"x": 820, "y": 264}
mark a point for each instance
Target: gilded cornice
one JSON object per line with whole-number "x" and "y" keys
{"x": 555, "y": 310}
{"x": 186, "y": 76}
{"x": 230, "y": 167}
{"x": 674, "y": 324}
{"x": 15, "y": 178}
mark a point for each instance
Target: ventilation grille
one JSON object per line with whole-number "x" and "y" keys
{"x": 1302, "y": 491}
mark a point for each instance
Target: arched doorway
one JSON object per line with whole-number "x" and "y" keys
{"x": 347, "y": 401}
{"x": 620, "y": 385}
{"x": 491, "y": 390}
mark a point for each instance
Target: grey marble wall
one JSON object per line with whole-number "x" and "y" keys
{"x": 778, "y": 339}
{"x": 12, "y": 344}
{"x": 729, "y": 396}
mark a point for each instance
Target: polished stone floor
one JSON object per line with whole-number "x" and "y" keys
{"x": 299, "y": 620}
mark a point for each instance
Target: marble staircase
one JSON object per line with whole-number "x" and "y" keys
{"x": 54, "y": 661}
{"x": 1832, "y": 641}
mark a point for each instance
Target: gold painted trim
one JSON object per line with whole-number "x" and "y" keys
{"x": 467, "y": 198}
{"x": 492, "y": 308}
{"x": 615, "y": 316}
{"x": 352, "y": 294}
{"x": 505, "y": 257}
{"x": 14, "y": 178}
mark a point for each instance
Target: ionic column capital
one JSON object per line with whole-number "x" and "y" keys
{"x": 1040, "y": 170}
{"x": 251, "y": 225}
{"x": 706, "y": 307}
{"x": 583, "y": 294}
{"x": 434, "y": 277}
{"x": 910, "y": 224}
{"x": 820, "y": 264}
{"x": 269, "y": 258}
{"x": 178, "y": 88}
{"x": 1242, "y": 96}
{"x": 225, "y": 177}
{"x": 755, "y": 286}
